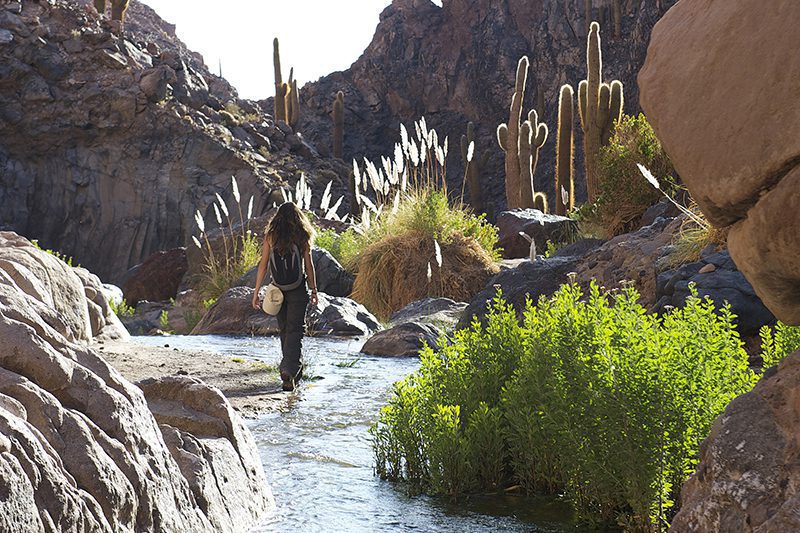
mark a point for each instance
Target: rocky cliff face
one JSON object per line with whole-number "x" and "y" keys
{"x": 456, "y": 63}
{"x": 109, "y": 144}
{"x": 83, "y": 449}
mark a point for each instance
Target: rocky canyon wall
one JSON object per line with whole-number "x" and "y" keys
{"x": 109, "y": 144}
{"x": 456, "y": 63}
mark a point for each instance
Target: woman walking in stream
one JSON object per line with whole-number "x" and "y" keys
{"x": 287, "y": 254}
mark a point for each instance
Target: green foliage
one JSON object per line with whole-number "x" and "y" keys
{"x": 778, "y": 343}
{"x": 624, "y": 195}
{"x": 65, "y": 258}
{"x": 163, "y": 321}
{"x": 589, "y": 396}
{"x": 121, "y": 310}
{"x": 342, "y": 246}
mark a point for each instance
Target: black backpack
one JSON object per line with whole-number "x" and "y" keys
{"x": 286, "y": 269}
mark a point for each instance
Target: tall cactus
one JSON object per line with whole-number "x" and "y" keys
{"x": 281, "y": 89}
{"x": 616, "y": 6}
{"x": 599, "y": 105}
{"x": 474, "y": 168}
{"x": 338, "y": 125}
{"x": 532, "y": 135}
{"x": 587, "y": 14}
{"x": 292, "y": 100}
{"x": 565, "y": 151}
{"x": 508, "y": 137}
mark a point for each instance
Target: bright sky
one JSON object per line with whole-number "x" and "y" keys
{"x": 317, "y": 37}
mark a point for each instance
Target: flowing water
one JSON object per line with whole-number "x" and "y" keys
{"x": 318, "y": 457}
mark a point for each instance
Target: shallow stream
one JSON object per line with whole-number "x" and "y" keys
{"x": 318, "y": 457}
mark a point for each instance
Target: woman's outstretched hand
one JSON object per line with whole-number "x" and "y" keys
{"x": 314, "y": 299}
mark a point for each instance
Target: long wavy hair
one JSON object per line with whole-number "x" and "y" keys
{"x": 290, "y": 226}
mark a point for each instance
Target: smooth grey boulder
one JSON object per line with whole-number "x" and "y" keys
{"x": 403, "y": 340}
{"x": 441, "y": 312}
{"x": 341, "y": 316}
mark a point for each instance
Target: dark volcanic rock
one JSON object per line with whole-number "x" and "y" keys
{"x": 456, "y": 63}
{"x": 718, "y": 278}
{"x": 157, "y": 278}
{"x": 528, "y": 280}
{"x": 441, "y": 312}
{"x": 342, "y": 317}
{"x": 541, "y": 227}
{"x": 404, "y": 340}
{"x": 109, "y": 145}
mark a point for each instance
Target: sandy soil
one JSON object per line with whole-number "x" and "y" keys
{"x": 251, "y": 387}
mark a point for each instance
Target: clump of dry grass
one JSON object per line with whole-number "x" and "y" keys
{"x": 694, "y": 235}
{"x": 400, "y": 269}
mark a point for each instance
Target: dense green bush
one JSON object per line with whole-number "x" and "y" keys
{"x": 779, "y": 342}
{"x": 589, "y": 397}
{"x": 624, "y": 194}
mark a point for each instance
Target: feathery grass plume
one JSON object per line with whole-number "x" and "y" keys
{"x": 332, "y": 212}
{"x": 430, "y": 274}
{"x": 217, "y": 213}
{"x": 235, "y": 188}
{"x": 197, "y": 242}
{"x": 250, "y": 208}
{"x": 326, "y": 197}
{"x": 437, "y": 252}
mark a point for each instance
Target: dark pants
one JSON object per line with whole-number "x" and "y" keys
{"x": 292, "y": 321}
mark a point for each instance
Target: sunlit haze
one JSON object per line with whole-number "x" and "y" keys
{"x": 317, "y": 37}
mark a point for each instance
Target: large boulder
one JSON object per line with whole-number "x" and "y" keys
{"x": 81, "y": 449}
{"x": 715, "y": 276}
{"x": 339, "y": 316}
{"x": 214, "y": 449}
{"x": 157, "y": 278}
{"x": 233, "y": 314}
{"x": 441, "y": 312}
{"x": 527, "y": 281}
{"x": 403, "y": 340}
{"x": 747, "y": 479}
{"x": 706, "y": 67}
{"x": 541, "y": 227}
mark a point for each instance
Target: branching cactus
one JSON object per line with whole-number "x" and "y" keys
{"x": 338, "y": 125}
{"x": 565, "y": 185}
{"x": 600, "y": 105}
{"x": 474, "y": 167}
{"x": 521, "y": 143}
{"x": 532, "y": 135}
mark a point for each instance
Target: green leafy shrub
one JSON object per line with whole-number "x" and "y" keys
{"x": 121, "y": 310}
{"x": 342, "y": 246}
{"x": 589, "y": 397}
{"x": 624, "y": 196}
{"x": 779, "y": 342}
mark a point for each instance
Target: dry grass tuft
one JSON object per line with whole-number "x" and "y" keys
{"x": 692, "y": 238}
{"x": 393, "y": 272}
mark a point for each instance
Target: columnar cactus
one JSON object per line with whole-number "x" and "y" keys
{"x": 616, "y": 6}
{"x": 532, "y": 135}
{"x": 292, "y": 101}
{"x": 599, "y": 105}
{"x": 587, "y": 14}
{"x": 338, "y": 125}
{"x": 508, "y": 137}
{"x": 118, "y": 9}
{"x": 281, "y": 89}
{"x": 564, "y": 152}
{"x": 473, "y": 168}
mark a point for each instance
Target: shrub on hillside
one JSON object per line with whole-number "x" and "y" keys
{"x": 624, "y": 195}
{"x": 589, "y": 397}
